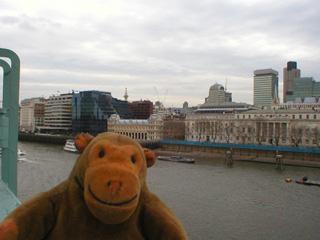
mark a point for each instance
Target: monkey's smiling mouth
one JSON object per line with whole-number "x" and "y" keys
{"x": 110, "y": 203}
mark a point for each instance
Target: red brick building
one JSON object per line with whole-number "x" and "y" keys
{"x": 141, "y": 109}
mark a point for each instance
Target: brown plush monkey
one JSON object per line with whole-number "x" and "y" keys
{"x": 105, "y": 197}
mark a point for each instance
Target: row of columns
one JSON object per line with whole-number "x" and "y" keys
{"x": 266, "y": 130}
{"x": 135, "y": 135}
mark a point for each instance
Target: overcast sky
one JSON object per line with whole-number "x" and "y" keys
{"x": 178, "y": 47}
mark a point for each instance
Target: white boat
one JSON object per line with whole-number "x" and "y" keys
{"x": 20, "y": 154}
{"x": 70, "y": 146}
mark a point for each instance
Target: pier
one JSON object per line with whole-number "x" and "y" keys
{"x": 229, "y": 158}
{"x": 279, "y": 162}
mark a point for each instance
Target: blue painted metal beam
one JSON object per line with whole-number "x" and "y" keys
{"x": 8, "y": 201}
{"x": 10, "y": 104}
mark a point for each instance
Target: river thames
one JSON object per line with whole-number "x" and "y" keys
{"x": 213, "y": 201}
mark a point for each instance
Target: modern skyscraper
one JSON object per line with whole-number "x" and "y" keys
{"x": 289, "y": 73}
{"x": 90, "y": 111}
{"x": 122, "y": 108}
{"x": 265, "y": 87}
{"x": 304, "y": 87}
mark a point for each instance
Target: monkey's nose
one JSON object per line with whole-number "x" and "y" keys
{"x": 114, "y": 187}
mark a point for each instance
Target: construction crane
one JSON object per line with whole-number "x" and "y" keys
{"x": 159, "y": 97}
{"x": 164, "y": 101}
{"x": 157, "y": 93}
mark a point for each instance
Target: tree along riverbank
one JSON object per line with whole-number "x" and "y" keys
{"x": 222, "y": 157}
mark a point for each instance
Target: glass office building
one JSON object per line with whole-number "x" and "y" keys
{"x": 304, "y": 87}
{"x": 122, "y": 108}
{"x": 289, "y": 73}
{"x": 90, "y": 111}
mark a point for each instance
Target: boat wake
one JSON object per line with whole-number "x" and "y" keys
{"x": 26, "y": 160}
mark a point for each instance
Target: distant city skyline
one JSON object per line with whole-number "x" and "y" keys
{"x": 178, "y": 47}
{"x": 291, "y": 65}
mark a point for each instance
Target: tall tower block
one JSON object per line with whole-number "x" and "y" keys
{"x": 289, "y": 73}
{"x": 265, "y": 87}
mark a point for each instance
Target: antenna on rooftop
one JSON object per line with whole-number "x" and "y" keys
{"x": 226, "y": 84}
{"x": 165, "y": 97}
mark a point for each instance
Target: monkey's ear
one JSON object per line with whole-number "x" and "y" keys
{"x": 82, "y": 140}
{"x": 150, "y": 157}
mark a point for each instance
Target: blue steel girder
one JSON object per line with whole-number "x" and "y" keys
{"x": 10, "y": 102}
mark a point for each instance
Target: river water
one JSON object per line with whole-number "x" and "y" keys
{"x": 213, "y": 201}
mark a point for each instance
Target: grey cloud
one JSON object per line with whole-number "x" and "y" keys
{"x": 185, "y": 45}
{"x": 9, "y": 20}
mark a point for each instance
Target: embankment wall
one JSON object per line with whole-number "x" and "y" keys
{"x": 245, "y": 152}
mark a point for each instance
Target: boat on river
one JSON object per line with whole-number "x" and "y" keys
{"x": 20, "y": 154}
{"x": 176, "y": 159}
{"x": 307, "y": 182}
{"x": 70, "y": 146}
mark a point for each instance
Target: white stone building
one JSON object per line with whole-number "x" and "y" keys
{"x": 282, "y": 126}
{"x": 209, "y": 127}
{"x": 32, "y": 114}
{"x": 149, "y": 129}
{"x": 298, "y": 127}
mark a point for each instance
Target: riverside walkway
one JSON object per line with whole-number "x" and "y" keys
{"x": 308, "y": 157}
{"x": 270, "y": 160}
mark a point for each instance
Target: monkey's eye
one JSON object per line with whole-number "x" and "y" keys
{"x": 133, "y": 159}
{"x": 101, "y": 154}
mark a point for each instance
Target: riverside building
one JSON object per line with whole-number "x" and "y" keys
{"x": 155, "y": 128}
{"x": 90, "y": 111}
{"x": 58, "y": 114}
{"x": 287, "y": 127}
{"x": 139, "y": 129}
{"x": 287, "y": 124}
{"x": 209, "y": 127}
{"x": 32, "y": 114}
